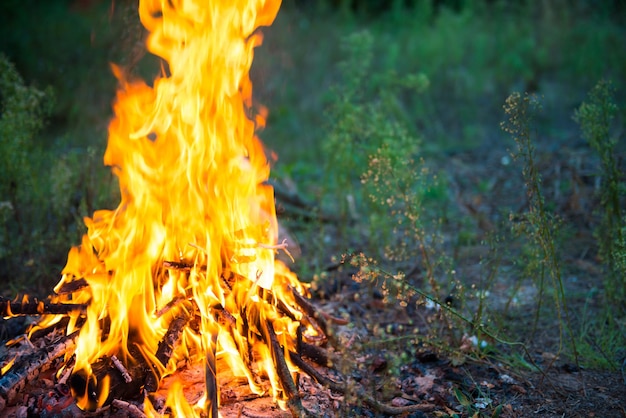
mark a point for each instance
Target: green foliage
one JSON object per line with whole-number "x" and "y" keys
{"x": 595, "y": 118}
{"x": 601, "y": 338}
{"x": 44, "y": 194}
{"x": 538, "y": 225}
{"x": 549, "y": 46}
{"x": 68, "y": 46}
{"x": 475, "y": 407}
{"x": 385, "y": 191}
{"x": 363, "y": 120}
{"x": 23, "y": 111}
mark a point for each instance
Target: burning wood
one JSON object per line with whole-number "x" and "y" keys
{"x": 28, "y": 367}
{"x": 166, "y": 349}
{"x": 182, "y": 275}
{"x": 10, "y": 308}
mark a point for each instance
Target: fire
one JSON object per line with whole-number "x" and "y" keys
{"x": 192, "y": 242}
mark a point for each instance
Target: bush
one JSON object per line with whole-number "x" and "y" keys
{"x": 24, "y": 110}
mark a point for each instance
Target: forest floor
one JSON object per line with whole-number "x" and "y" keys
{"x": 462, "y": 379}
{"x": 466, "y": 380}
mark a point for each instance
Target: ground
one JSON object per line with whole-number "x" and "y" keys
{"x": 463, "y": 379}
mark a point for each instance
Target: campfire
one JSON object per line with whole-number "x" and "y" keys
{"x": 182, "y": 275}
{"x": 174, "y": 304}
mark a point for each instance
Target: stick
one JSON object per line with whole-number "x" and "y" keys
{"x": 321, "y": 337}
{"x": 360, "y": 392}
{"x": 132, "y": 409}
{"x": 168, "y": 307}
{"x": 223, "y": 317}
{"x": 71, "y": 287}
{"x": 181, "y": 265}
{"x": 118, "y": 364}
{"x": 210, "y": 376}
{"x": 310, "y": 310}
{"x": 166, "y": 348}
{"x": 293, "y": 397}
{"x": 8, "y": 308}
{"x": 104, "y": 383}
{"x": 317, "y": 354}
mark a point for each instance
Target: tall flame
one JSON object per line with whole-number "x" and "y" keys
{"x": 192, "y": 178}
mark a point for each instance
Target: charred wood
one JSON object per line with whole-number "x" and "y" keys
{"x": 166, "y": 348}
{"x": 223, "y": 317}
{"x": 28, "y": 367}
{"x": 311, "y": 311}
{"x": 170, "y": 305}
{"x": 10, "y": 308}
{"x": 131, "y": 409}
{"x": 71, "y": 287}
{"x": 122, "y": 369}
{"x": 316, "y": 354}
{"x": 289, "y": 386}
{"x": 182, "y": 265}
{"x": 42, "y": 332}
{"x": 210, "y": 376}
{"x": 106, "y": 383}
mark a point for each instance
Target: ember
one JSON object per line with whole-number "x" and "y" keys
{"x": 182, "y": 276}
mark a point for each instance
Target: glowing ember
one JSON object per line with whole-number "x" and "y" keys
{"x": 186, "y": 261}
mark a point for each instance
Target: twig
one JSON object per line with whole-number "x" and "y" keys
{"x": 169, "y": 305}
{"x": 182, "y": 265}
{"x": 223, "y": 317}
{"x": 71, "y": 287}
{"x": 310, "y": 310}
{"x": 317, "y": 354}
{"x": 9, "y": 308}
{"x": 291, "y": 391}
{"x": 282, "y": 246}
{"x": 65, "y": 376}
{"x": 210, "y": 375}
{"x": 166, "y": 348}
{"x": 315, "y": 313}
{"x": 132, "y": 409}
{"x": 119, "y": 366}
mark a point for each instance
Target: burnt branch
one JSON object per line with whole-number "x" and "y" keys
{"x": 71, "y": 287}
{"x": 210, "y": 376}
{"x": 170, "y": 305}
{"x": 119, "y": 366}
{"x": 131, "y": 410}
{"x": 166, "y": 348}
{"x": 223, "y": 317}
{"x": 315, "y": 353}
{"x": 289, "y": 386}
{"x": 106, "y": 383}
{"x": 310, "y": 310}
{"x": 182, "y": 265}
{"x": 9, "y": 308}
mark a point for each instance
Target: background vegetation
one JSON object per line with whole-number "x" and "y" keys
{"x": 386, "y": 117}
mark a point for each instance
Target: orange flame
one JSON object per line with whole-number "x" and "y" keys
{"x": 192, "y": 177}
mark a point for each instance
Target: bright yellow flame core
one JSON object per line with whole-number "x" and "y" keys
{"x": 191, "y": 173}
